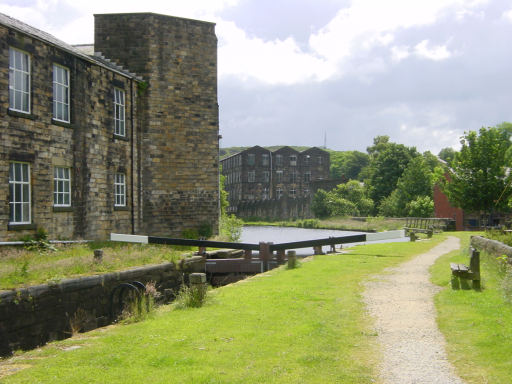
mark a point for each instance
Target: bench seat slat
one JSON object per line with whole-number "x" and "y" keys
{"x": 459, "y": 267}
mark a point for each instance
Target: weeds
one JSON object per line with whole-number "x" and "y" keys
{"x": 141, "y": 307}
{"x": 39, "y": 242}
{"x": 78, "y": 321}
{"x": 191, "y": 297}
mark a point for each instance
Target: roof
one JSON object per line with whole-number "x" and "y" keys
{"x": 157, "y": 15}
{"x": 97, "y": 59}
{"x": 274, "y": 149}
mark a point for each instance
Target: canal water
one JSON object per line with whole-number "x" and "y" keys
{"x": 256, "y": 234}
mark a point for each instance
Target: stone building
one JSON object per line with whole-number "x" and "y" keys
{"x": 121, "y": 140}
{"x": 258, "y": 174}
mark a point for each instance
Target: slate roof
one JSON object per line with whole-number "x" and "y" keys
{"x": 97, "y": 58}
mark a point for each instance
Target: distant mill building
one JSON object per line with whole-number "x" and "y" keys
{"x": 275, "y": 184}
{"x": 121, "y": 136}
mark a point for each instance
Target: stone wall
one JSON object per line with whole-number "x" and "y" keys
{"x": 179, "y": 122}
{"x": 30, "y": 317}
{"x": 86, "y": 144}
{"x": 493, "y": 247}
{"x": 276, "y": 209}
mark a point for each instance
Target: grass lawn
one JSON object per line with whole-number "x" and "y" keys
{"x": 476, "y": 325}
{"x": 20, "y": 266}
{"x": 305, "y": 325}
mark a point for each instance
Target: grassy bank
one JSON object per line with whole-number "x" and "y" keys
{"x": 372, "y": 224}
{"x": 305, "y": 325}
{"x": 476, "y": 325}
{"x": 20, "y": 266}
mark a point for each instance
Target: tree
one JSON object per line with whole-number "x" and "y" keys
{"x": 479, "y": 178}
{"x": 447, "y": 154}
{"x": 386, "y": 168}
{"x": 348, "y": 199}
{"x": 380, "y": 143}
{"x": 415, "y": 182}
{"x": 422, "y": 206}
{"x": 347, "y": 164}
{"x": 352, "y": 192}
{"x": 319, "y": 204}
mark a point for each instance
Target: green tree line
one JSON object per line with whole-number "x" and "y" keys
{"x": 394, "y": 180}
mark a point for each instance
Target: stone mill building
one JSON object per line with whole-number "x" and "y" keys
{"x": 119, "y": 136}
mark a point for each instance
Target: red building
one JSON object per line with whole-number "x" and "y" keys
{"x": 443, "y": 209}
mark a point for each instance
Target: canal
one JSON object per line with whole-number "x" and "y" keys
{"x": 256, "y": 234}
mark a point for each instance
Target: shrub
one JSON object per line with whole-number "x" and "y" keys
{"x": 231, "y": 227}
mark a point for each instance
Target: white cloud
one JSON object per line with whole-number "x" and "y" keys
{"x": 436, "y": 53}
{"x": 399, "y": 53}
{"x": 276, "y": 61}
{"x": 77, "y": 25}
{"x": 508, "y": 15}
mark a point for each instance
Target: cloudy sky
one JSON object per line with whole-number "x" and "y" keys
{"x": 296, "y": 71}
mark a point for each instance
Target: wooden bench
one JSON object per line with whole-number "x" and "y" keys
{"x": 470, "y": 273}
{"x": 411, "y": 232}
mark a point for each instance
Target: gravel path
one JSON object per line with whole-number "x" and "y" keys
{"x": 401, "y": 303}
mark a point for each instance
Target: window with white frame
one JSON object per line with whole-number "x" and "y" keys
{"x": 61, "y": 187}
{"x": 19, "y": 81}
{"x": 264, "y": 159}
{"x": 266, "y": 176}
{"x": 279, "y": 192}
{"x": 306, "y": 160}
{"x": 293, "y": 192}
{"x": 293, "y": 160}
{"x": 60, "y": 93}
{"x": 293, "y": 177}
{"x": 251, "y": 159}
{"x": 320, "y": 160}
{"x": 119, "y": 116}
{"x": 279, "y": 176}
{"x": 306, "y": 192}
{"x": 19, "y": 193}
{"x": 264, "y": 195}
{"x": 251, "y": 176}
{"x": 120, "y": 190}
{"x": 279, "y": 160}
{"x": 307, "y": 177}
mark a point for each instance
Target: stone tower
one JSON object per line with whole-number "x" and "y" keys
{"x": 177, "y": 115}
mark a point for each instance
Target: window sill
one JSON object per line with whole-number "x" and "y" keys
{"x": 20, "y": 227}
{"x": 62, "y": 209}
{"x": 125, "y": 208}
{"x": 119, "y": 137}
{"x": 62, "y": 123}
{"x": 25, "y": 115}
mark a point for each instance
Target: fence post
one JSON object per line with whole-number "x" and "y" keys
{"x": 280, "y": 255}
{"x": 292, "y": 259}
{"x": 198, "y": 285}
{"x": 318, "y": 250}
{"x": 98, "y": 255}
{"x": 264, "y": 254}
{"x": 201, "y": 250}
